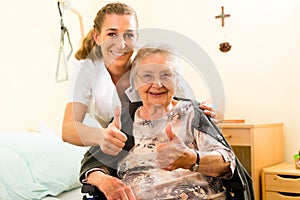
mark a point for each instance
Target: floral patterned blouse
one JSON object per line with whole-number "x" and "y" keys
{"x": 139, "y": 169}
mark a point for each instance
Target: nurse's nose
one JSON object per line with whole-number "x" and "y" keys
{"x": 120, "y": 41}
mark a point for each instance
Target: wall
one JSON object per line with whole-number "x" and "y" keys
{"x": 259, "y": 74}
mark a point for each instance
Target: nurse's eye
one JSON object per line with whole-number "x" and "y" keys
{"x": 129, "y": 35}
{"x": 112, "y": 34}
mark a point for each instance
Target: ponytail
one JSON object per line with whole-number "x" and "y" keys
{"x": 87, "y": 45}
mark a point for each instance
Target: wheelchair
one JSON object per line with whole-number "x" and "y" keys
{"x": 91, "y": 192}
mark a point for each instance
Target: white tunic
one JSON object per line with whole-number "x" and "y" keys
{"x": 91, "y": 84}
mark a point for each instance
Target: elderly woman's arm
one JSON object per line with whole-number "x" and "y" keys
{"x": 211, "y": 164}
{"x": 215, "y": 165}
{"x": 215, "y": 159}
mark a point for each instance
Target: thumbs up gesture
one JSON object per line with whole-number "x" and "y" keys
{"x": 174, "y": 153}
{"x": 113, "y": 139}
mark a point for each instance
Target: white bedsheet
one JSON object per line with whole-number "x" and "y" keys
{"x": 74, "y": 194}
{"x": 37, "y": 164}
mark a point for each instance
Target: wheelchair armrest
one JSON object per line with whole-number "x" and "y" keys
{"x": 93, "y": 191}
{"x": 87, "y": 188}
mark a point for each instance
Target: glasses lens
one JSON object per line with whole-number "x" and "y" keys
{"x": 153, "y": 73}
{"x": 166, "y": 76}
{"x": 147, "y": 77}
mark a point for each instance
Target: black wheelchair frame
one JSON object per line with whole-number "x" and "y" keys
{"x": 91, "y": 192}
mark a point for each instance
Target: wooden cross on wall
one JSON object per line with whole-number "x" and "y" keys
{"x": 223, "y": 16}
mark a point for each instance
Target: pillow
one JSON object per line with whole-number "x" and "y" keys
{"x": 35, "y": 165}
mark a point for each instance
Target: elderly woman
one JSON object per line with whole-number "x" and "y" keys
{"x": 170, "y": 153}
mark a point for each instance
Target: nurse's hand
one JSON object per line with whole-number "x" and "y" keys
{"x": 113, "y": 140}
{"x": 209, "y": 111}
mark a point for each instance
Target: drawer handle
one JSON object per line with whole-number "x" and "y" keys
{"x": 287, "y": 194}
{"x": 281, "y": 177}
{"x": 227, "y": 136}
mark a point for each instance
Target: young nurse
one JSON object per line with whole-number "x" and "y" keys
{"x": 101, "y": 69}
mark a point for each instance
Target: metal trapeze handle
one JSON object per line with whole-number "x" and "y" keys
{"x": 62, "y": 59}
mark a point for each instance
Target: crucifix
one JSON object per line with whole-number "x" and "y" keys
{"x": 225, "y": 46}
{"x": 223, "y": 16}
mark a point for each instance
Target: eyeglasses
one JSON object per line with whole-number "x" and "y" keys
{"x": 164, "y": 77}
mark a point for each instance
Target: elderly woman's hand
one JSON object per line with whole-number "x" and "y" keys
{"x": 174, "y": 154}
{"x": 113, "y": 188}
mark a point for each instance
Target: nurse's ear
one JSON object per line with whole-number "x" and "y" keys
{"x": 96, "y": 37}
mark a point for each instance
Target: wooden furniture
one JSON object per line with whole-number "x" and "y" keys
{"x": 281, "y": 182}
{"x": 257, "y": 145}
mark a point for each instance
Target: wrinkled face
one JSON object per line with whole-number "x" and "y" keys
{"x": 117, "y": 39}
{"x": 155, "y": 81}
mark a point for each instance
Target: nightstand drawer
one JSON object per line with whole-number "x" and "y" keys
{"x": 237, "y": 137}
{"x": 283, "y": 183}
{"x": 281, "y": 196}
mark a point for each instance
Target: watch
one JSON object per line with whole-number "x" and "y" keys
{"x": 195, "y": 166}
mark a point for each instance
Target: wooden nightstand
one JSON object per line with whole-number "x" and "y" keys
{"x": 281, "y": 182}
{"x": 257, "y": 145}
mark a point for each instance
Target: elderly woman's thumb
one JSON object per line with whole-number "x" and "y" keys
{"x": 171, "y": 135}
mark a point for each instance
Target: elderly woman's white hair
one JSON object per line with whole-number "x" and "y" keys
{"x": 173, "y": 61}
{"x": 165, "y": 50}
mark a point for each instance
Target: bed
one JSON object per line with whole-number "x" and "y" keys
{"x": 73, "y": 194}
{"x": 39, "y": 165}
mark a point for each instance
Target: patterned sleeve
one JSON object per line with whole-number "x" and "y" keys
{"x": 207, "y": 145}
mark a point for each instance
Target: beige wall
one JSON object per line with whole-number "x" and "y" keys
{"x": 259, "y": 74}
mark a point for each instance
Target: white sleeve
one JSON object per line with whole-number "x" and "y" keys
{"x": 102, "y": 169}
{"x": 81, "y": 82}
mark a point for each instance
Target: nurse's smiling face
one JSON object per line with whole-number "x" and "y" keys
{"x": 117, "y": 40}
